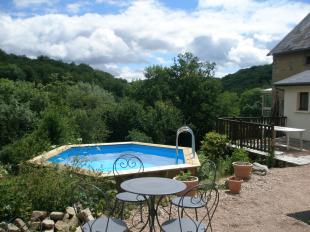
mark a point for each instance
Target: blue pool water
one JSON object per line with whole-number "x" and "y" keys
{"x": 101, "y": 158}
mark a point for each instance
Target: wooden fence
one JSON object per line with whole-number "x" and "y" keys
{"x": 254, "y": 133}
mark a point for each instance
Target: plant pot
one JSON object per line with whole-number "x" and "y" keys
{"x": 234, "y": 184}
{"x": 189, "y": 184}
{"x": 242, "y": 170}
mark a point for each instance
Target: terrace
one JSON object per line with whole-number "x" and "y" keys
{"x": 259, "y": 136}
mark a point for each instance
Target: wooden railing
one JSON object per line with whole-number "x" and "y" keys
{"x": 275, "y": 121}
{"x": 249, "y": 132}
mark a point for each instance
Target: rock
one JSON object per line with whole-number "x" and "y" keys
{"x": 78, "y": 229}
{"x": 259, "y": 168}
{"x": 85, "y": 215}
{"x": 38, "y": 215}
{"x": 72, "y": 222}
{"x": 56, "y": 216}
{"x": 62, "y": 226}
{"x": 50, "y": 230}
{"x": 12, "y": 228}
{"x": 2, "y": 230}
{"x": 66, "y": 216}
{"x": 4, "y": 225}
{"x": 35, "y": 225}
{"x": 48, "y": 224}
{"x": 21, "y": 224}
{"x": 70, "y": 211}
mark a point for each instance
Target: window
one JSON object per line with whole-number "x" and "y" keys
{"x": 303, "y": 101}
{"x": 307, "y": 59}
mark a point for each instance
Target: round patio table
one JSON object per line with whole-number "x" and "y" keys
{"x": 152, "y": 187}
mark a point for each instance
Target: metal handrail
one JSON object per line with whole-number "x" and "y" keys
{"x": 179, "y": 131}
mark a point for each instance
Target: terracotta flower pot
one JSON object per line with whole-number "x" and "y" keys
{"x": 189, "y": 184}
{"x": 234, "y": 184}
{"x": 242, "y": 170}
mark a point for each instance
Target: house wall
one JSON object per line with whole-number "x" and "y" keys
{"x": 295, "y": 118}
{"x": 286, "y": 65}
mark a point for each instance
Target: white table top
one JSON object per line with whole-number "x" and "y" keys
{"x": 288, "y": 129}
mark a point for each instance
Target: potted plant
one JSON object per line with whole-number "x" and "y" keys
{"x": 241, "y": 164}
{"x": 189, "y": 180}
{"x": 234, "y": 184}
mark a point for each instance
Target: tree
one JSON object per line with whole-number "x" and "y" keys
{"x": 250, "y": 103}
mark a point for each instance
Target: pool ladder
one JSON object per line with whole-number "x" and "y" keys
{"x": 179, "y": 131}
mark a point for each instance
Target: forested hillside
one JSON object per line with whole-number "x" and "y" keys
{"x": 44, "y": 102}
{"x": 249, "y": 78}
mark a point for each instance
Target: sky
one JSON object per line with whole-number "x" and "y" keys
{"x": 124, "y": 37}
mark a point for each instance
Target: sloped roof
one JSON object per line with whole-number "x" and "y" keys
{"x": 298, "y": 39}
{"x": 302, "y": 78}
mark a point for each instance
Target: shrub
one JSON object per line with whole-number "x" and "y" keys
{"x": 136, "y": 135}
{"x": 42, "y": 188}
{"x": 240, "y": 154}
{"x": 214, "y": 146}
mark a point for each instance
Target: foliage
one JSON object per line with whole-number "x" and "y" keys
{"x": 47, "y": 189}
{"x": 135, "y": 135}
{"x": 271, "y": 159}
{"x": 214, "y": 146}
{"x": 241, "y": 155}
{"x": 229, "y": 105}
{"x": 249, "y": 78}
{"x": 250, "y": 103}
{"x": 184, "y": 176}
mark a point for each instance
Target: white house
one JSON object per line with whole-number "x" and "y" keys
{"x": 291, "y": 78}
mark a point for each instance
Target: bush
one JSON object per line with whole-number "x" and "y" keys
{"x": 136, "y": 135}
{"x": 42, "y": 188}
{"x": 240, "y": 154}
{"x": 214, "y": 146}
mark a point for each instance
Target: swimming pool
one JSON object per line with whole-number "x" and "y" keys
{"x": 100, "y": 157}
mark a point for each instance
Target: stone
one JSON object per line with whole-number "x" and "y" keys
{"x": 50, "y": 230}
{"x": 21, "y": 224}
{"x": 2, "y": 230}
{"x": 259, "y": 169}
{"x": 66, "y": 216}
{"x": 78, "y": 229}
{"x": 62, "y": 226}
{"x": 72, "y": 222}
{"x": 48, "y": 224}
{"x": 38, "y": 215}
{"x": 70, "y": 211}
{"x": 12, "y": 228}
{"x": 56, "y": 216}
{"x": 35, "y": 225}
{"x": 85, "y": 215}
{"x": 4, "y": 225}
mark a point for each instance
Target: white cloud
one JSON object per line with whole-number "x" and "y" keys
{"x": 27, "y": 3}
{"x": 235, "y": 34}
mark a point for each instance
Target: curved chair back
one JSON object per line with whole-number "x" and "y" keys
{"x": 127, "y": 162}
{"x": 207, "y": 172}
{"x": 99, "y": 202}
{"x": 206, "y": 198}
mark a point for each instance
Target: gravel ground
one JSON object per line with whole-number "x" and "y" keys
{"x": 265, "y": 203}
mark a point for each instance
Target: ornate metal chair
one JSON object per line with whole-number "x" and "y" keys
{"x": 206, "y": 175}
{"x": 87, "y": 194}
{"x": 128, "y": 162}
{"x": 206, "y": 198}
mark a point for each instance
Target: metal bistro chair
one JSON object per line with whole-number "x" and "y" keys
{"x": 206, "y": 175}
{"x": 103, "y": 204}
{"x": 131, "y": 162}
{"x": 206, "y": 198}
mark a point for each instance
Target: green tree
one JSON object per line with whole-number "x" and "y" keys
{"x": 250, "y": 103}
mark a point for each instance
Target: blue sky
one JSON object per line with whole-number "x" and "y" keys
{"x": 125, "y": 36}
